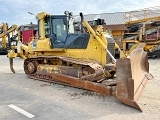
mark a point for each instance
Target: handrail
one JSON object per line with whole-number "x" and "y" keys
{"x": 142, "y": 15}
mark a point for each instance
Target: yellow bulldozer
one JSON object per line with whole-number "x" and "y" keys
{"x": 83, "y": 60}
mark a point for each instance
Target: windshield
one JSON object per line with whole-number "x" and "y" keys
{"x": 59, "y": 30}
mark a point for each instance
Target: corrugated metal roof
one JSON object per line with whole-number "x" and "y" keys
{"x": 122, "y": 17}
{"x": 110, "y": 18}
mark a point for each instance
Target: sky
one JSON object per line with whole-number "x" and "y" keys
{"x": 16, "y": 11}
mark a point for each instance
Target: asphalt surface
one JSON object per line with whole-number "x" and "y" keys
{"x": 45, "y": 101}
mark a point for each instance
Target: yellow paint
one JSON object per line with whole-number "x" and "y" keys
{"x": 148, "y": 48}
{"x": 117, "y": 33}
{"x": 95, "y": 51}
{"x": 95, "y": 45}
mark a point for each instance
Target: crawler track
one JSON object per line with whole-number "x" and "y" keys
{"x": 89, "y": 77}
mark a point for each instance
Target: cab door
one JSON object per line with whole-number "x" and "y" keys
{"x": 59, "y": 31}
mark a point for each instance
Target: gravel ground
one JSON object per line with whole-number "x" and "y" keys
{"x": 71, "y": 103}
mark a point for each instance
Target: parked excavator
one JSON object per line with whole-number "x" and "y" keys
{"x": 83, "y": 60}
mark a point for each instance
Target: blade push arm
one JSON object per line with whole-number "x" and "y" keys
{"x": 85, "y": 23}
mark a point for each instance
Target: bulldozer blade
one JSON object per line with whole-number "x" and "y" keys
{"x": 141, "y": 45}
{"x": 11, "y": 65}
{"x": 132, "y": 76}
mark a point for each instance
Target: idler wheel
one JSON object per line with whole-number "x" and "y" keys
{"x": 32, "y": 67}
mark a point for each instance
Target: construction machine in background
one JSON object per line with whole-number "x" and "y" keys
{"x": 12, "y": 35}
{"x": 83, "y": 60}
{"x": 3, "y": 27}
{"x": 143, "y": 27}
{"x": 3, "y": 44}
{"x": 6, "y": 42}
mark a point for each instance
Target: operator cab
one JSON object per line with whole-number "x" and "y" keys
{"x": 60, "y": 30}
{"x": 56, "y": 30}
